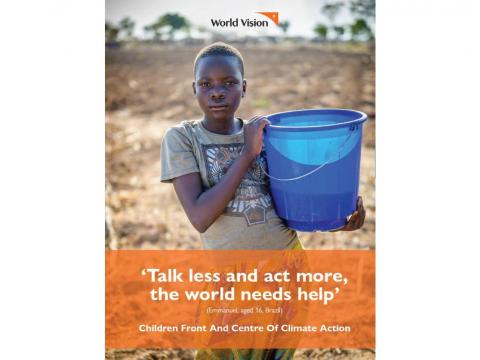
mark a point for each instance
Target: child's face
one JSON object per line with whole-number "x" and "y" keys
{"x": 219, "y": 86}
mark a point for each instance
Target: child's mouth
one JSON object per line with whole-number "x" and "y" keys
{"x": 218, "y": 107}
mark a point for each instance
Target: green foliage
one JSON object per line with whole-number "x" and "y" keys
{"x": 167, "y": 24}
{"x": 127, "y": 26}
{"x": 321, "y": 31}
{"x": 284, "y": 25}
{"x": 363, "y": 13}
{"x": 339, "y": 31}
{"x": 364, "y": 8}
{"x": 175, "y": 22}
{"x": 360, "y": 29}
{"x": 111, "y": 32}
{"x": 331, "y": 10}
{"x": 154, "y": 29}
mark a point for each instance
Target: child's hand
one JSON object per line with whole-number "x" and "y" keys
{"x": 253, "y": 134}
{"x": 357, "y": 219}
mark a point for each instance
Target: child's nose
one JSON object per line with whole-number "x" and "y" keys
{"x": 218, "y": 92}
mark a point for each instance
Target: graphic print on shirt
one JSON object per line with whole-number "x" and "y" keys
{"x": 252, "y": 199}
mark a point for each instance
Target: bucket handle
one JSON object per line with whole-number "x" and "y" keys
{"x": 352, "y": 128}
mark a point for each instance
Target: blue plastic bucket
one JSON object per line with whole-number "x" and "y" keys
{"x": 313, "y": 159}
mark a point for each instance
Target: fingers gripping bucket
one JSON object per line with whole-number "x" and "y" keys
{"x": 313, "y": 159}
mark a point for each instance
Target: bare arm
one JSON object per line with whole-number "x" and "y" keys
{"x": 204, "y": 207}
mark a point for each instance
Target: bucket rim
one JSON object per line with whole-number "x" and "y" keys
{"x": 362, "y": 118}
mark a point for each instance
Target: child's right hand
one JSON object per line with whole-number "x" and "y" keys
{"x": 253, "y": 135}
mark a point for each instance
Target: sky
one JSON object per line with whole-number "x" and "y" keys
{"x": 302, "y": 14}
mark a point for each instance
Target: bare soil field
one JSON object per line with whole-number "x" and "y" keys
{"x": 148, "y": 89}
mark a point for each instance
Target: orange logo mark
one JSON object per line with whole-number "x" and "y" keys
{"x": 271, "y": 15}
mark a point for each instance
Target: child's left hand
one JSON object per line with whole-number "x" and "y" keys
{"x": 357, "y": 219}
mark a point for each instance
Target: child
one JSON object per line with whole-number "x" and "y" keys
{"x": 216, "y": 171}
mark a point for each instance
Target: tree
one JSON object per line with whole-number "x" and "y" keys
{"x": 284, "y": 25}
{"x": 331, "y": 10}
{"x": 172, "y": 22}
{"x": 360, "y": 29}
{"x": 175, "y": 22}
{"x": 127, "y": 26}
{"x": 339, "y": 31}
{"x": 111, "y": 32}
{"x": 154, "y": 29}
{"x": 362, "y": 12}
{"x": 321, "y": 31}
{"x": 365, "y": 10}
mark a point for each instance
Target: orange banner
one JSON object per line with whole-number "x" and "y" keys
{"x": 240, "y": 299}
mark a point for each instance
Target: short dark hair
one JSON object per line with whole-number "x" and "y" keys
{"x": 222, "y": 49}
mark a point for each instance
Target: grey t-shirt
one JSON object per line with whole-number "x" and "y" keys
{"x": 249, "y": 220}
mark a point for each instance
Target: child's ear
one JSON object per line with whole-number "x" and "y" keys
{"x": 194, "y": 90}
{"x": 244, "y": 87}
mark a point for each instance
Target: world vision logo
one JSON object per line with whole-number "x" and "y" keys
{"x": 271, "y": 15}
{"x": 246, "y": 22}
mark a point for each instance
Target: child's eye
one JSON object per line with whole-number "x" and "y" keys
{"x": 205, "y": 84}
{"x": 230, "y": 83}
